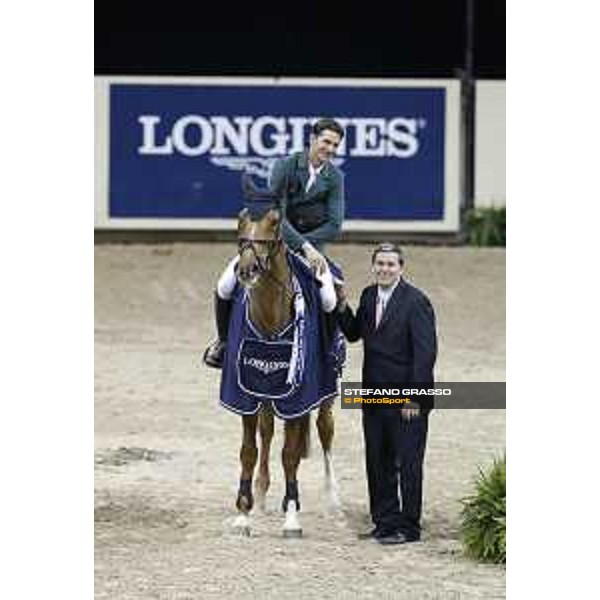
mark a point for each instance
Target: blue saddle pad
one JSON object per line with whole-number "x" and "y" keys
{"x": 256, "y": 368}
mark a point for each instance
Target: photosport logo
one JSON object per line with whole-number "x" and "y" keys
{"x": 461, "y": 395}
{"x": 253, "y": 144}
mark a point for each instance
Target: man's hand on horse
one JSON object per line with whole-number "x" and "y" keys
{"x": 315, "y": 258}
{"x": 342, "y": 295}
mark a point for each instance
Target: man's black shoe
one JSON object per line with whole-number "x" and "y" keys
{"x": 395, "y": 538}
{"x": 367, "y": 535}
{"x": 374, "y": 534}
{"x": 213, "y": 356}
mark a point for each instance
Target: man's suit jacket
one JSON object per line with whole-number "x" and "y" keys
{"x": 403, "y": 349}
{"x": 315, "y": 216}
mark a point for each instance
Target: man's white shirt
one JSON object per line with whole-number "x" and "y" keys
{"x": 313, "y": 172}
{"x": 384, "y": 294}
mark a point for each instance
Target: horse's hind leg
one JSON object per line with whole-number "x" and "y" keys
{"x": 248, "y": 457}
{"x": 295, "y": 432}
{"x": 326, "y": 429}
{"x": 265, "y": 429}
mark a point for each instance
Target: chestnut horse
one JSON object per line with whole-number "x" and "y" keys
{"x": 263, "y": 270}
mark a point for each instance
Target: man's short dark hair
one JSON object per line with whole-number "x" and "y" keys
{"x": 388, "y": 247}
{"x": 331, "y": 124}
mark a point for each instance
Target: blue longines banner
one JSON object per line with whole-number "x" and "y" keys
{"x": 179, "y": 150}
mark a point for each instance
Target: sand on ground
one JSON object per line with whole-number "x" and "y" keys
{"x": 166, "y": 453}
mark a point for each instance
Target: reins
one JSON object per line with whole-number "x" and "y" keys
{"x": 264, "y": 265}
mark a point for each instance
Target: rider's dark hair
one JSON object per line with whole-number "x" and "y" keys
{"x": 331, "y": 124}
{"x": 388, "y": 247}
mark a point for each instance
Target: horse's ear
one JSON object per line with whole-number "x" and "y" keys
{"x": 243, "y": 219}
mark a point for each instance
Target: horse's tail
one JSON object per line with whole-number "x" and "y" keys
{"x": 305, "y": 437}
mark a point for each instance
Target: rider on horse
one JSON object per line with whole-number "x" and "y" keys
{"x": 312, "y": 190}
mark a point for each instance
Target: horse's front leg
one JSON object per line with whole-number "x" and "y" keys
{"x": 295, "y": 432}
{"x": 326, "y": 429}
{"x": 248, "y": 457}
{"x": 265, "y": 430}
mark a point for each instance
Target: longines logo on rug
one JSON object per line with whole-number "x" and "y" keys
{"x": 255, "y": 143}
{"x": 265, "y": 366}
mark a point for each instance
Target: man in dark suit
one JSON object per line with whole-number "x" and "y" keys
{"x": 396, "y": 322}
{"x": 311, "y": 189}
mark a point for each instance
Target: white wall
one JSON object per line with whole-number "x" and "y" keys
{"x": 490, "y": 143}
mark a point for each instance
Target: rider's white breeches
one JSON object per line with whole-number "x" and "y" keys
{"x": 227, "y": 281}
{"x": 327, "y": 291}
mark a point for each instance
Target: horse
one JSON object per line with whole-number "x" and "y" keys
{"x": 264, "y": 273}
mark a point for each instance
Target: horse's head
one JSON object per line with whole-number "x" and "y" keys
{"x": 259, "y": 242}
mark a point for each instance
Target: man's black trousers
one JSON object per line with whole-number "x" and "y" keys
{"x": 395, "y": 450}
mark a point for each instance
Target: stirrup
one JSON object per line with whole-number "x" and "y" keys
{"x": 214, "y": 354}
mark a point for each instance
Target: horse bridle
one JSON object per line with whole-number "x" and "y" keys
{"x": 264, "y": 264}
{"x": 272, "y": 249}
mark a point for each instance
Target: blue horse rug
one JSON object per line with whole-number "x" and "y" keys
{"x": 295, "y": 369}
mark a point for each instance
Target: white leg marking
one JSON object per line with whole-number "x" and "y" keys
{"x": 241, "y": 525}
{"x": 332, "y": 489}
{"x": 292, "y": 527}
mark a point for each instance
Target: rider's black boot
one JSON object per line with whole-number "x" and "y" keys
{"x": 213, "y": 355}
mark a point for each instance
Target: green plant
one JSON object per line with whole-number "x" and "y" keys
{"x": 483, "y": 527}
{"x": 486, "y": 226}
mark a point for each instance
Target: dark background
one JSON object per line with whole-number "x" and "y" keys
{"x": 412, "y": 39}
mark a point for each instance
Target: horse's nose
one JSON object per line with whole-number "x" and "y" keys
{"x": 248, "y": 272}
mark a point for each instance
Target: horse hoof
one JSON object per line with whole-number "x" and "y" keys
{"x": 292, "y": 533}
{"x": 241, "y": 526}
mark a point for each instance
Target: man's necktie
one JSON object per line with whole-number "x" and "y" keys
{"x": 379, "y": 308}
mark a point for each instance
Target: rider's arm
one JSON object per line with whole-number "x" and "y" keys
{"x": 291, "y": 236}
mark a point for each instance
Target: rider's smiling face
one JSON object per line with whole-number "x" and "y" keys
{"x": 323, "y": 146}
